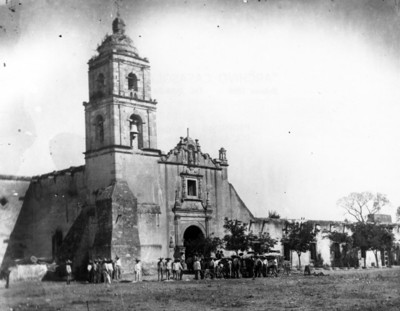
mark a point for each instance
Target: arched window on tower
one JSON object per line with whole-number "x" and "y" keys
{"x": 132, "y": 82}
{"x": 99, "y": 128}
{"x": 100, "y": 82}
{"x": 136, "y": 131}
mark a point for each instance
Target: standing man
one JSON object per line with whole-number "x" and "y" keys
{"x": 169, "y": 268}
{"x": 104, "y": 269}
{"x": 160, "y": 269}
{"x": 273, "y": 266}
{"x": 211, "y": 267}
{"x": 196, "y": 268}
{"x": 94, "y": 270}
{"x": 110, "y": 268}
{"x": 68, "y": 269}
{"x": 117, "y": 268}
{"x": 5, "y": 274}
{"x": 138, "y": 271}
{"x": 236, "y": 266}
{"x": 90, "y": 271}
{"x": 177, "y": 269}
{"x": 97, "y": 270}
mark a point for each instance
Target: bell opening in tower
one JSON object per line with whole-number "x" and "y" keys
{"x": 136, "y": 132}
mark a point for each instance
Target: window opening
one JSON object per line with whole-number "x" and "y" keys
{"x": 136, "y": 131}
{"x": 192, "y": 187}
{"x": 100, "y": 82}
{"x": 100, "y": 129}
{"x": 132, "y": 82}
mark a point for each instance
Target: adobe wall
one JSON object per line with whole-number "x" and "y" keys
{"x": 52, "y": 202}
{"x": 100, "y": 172}
{"x": 238, "y": 208}
{"x": 12, "y": 194}
{"x": 270, "y": 225}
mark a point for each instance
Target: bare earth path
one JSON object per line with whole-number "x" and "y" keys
{"x": 377, "y": 289}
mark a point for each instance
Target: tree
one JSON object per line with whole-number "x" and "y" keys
{"x": 370, "y": 236}
{"x": 387, "y": 241}
{"x": 343, "y": 240}
{"x": 398, "y": 214}
{"x": 236, "y": 239}
{"x": 211, "y": 244}
{"x": 261, "y": 243}
{"x": 299, "y": 237}
{"x": 360, "y": 205}
{"x": 273, "y": 214}
{"x": 204, "y": 246}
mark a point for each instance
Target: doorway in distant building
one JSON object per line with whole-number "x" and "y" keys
{"x": 193, "y": 240}
{"x": 286, "y": 252}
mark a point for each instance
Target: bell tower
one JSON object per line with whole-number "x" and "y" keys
{"x": 120, "y": 116}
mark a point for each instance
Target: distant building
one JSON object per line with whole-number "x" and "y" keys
{"x": 380, "y": 218}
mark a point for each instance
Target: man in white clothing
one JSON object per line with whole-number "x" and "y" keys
{"x": 138, "y": 270}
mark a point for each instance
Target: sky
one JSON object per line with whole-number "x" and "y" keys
{"x": 303, "y": 94}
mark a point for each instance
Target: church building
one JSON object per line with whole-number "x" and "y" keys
{"x": 129, "y": 199}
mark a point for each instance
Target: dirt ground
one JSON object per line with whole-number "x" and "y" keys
{"x": 377, "y": 289}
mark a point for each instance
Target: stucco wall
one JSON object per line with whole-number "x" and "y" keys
{"x": 141, "y": 171}
{"x": 100, "y": 172}
{"x": 12, "y": 195}
{"x": 52, "y": 202}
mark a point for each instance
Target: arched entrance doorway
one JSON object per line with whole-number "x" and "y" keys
{"x": 192, "y": 240}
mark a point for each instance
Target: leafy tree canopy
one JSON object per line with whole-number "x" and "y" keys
{"x": 204, "y": 246}
{"x": 274, "y": 215}
{"x": 340, "y": 237}
{"x": 370, "y": 236}
{"x": 262, "y": 243}
{"x": 236, "y": 238}
{"x": 299, "y": 236}
{"x": 211, "y": 244}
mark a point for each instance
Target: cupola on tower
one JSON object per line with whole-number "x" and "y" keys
{"x": 120, "y": 116}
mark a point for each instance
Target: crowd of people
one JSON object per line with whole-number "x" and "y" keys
{"x": 168, "y": 270}
{"x": 107, "y": 270}
{"x": 236, "y": 266}
{"x": 218, "y": 267}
